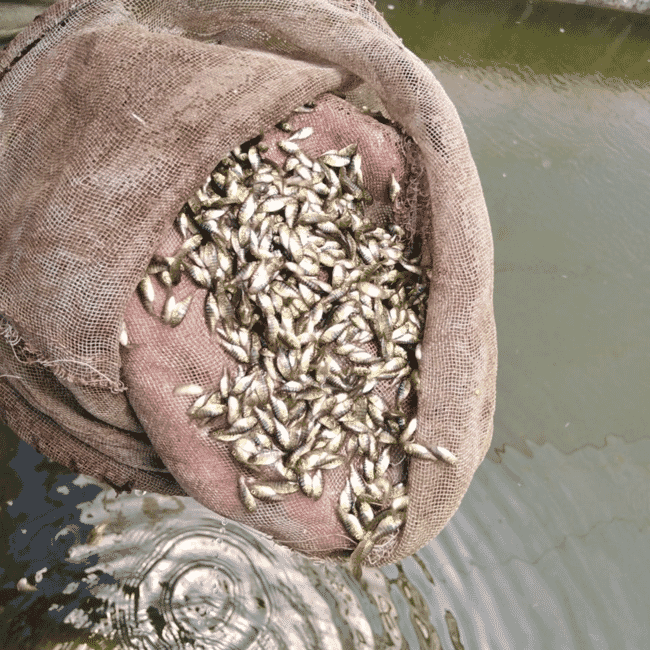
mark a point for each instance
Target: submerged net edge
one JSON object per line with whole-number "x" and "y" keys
{"x": 54, "y": 442}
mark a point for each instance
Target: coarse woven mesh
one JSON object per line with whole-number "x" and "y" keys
{"x": 112, "y": 113}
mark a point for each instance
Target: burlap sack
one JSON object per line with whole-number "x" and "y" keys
{"x": 112, "y": 113}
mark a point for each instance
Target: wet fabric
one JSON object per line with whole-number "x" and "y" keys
{"x": 112, "y": 113}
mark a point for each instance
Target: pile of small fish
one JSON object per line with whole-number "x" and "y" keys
{"x": 317, "y": 305}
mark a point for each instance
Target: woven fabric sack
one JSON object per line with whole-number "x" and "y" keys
{"x": 112, "y": 113}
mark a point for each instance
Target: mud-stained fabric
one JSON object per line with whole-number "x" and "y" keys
{"x": 112, "y": 113}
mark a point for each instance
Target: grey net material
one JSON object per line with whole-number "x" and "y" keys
{"x": 112, "y": 114}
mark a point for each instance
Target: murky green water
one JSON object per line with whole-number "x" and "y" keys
{"x": 551, "y": 546}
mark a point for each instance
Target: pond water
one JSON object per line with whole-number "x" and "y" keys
{"x": 551, "y": 546}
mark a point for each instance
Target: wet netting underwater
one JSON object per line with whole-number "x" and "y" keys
{"x": 245, "y": 257}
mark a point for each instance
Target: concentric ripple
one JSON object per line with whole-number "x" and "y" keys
{"x": 195, "y": 581}
{"x": 194, "y": 586}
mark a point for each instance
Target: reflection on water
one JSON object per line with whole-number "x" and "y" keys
{"x": 528, "y": 36}
{"x": 565, "y": 176}
{"x": 547, "y": 551}
{"x": 164, "y": 572}
{"x": 15, "y": 16}
{"x": 551, "y": 546}
{"x": 553, "y": 552}
{"x": 193, "y": 580}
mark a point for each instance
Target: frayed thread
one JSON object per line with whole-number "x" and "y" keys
{"x": 57, "y": 367}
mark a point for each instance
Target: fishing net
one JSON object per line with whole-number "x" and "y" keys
{"x": 245, "y": 256}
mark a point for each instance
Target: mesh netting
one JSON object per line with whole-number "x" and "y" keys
{"x": 112, "y": 114}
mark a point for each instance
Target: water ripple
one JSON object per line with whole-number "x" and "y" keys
{"x": 191, "y": 580}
